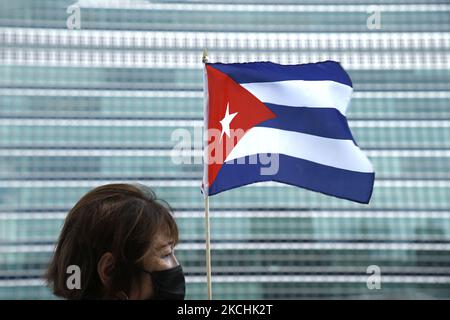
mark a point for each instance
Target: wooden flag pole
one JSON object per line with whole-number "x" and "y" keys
{"x": 205, "y": 184}
{"x": 208, "y": 249}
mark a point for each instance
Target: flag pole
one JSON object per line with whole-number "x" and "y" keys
{"x": 205, "y": 179}
{"x": 208, "y": 248}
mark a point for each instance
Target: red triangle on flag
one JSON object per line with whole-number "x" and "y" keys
{"x": 244, "y": 112}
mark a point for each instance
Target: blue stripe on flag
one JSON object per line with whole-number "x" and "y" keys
{"x": 324, "y": 122}
{"x": 351, "y": 185}
{"x": 250, "y": 72}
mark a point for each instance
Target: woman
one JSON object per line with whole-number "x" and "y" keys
{"x": 122, "y": 240}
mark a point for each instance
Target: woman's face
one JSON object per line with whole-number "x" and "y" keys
{"x": 160, "y": 256}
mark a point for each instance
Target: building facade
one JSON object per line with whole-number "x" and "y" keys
{"x": 92, "y": 93}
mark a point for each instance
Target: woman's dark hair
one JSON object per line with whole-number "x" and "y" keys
{"x": 122, "y": 219}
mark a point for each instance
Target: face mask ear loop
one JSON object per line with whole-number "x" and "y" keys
{"x": 156, "y": 287}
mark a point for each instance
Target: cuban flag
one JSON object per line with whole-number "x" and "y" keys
{"x": 284, "y": 123}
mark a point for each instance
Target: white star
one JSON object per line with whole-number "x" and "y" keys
{"x": 225, "y": 122}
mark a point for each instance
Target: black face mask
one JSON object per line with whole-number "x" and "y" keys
{"x": 169, "y": 284}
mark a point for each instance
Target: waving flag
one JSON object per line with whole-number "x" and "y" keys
{"x": 284, "y": 123}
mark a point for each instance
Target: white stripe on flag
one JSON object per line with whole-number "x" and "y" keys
{"x": 343, "y": 154}
{"x": 302, "y": 93}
